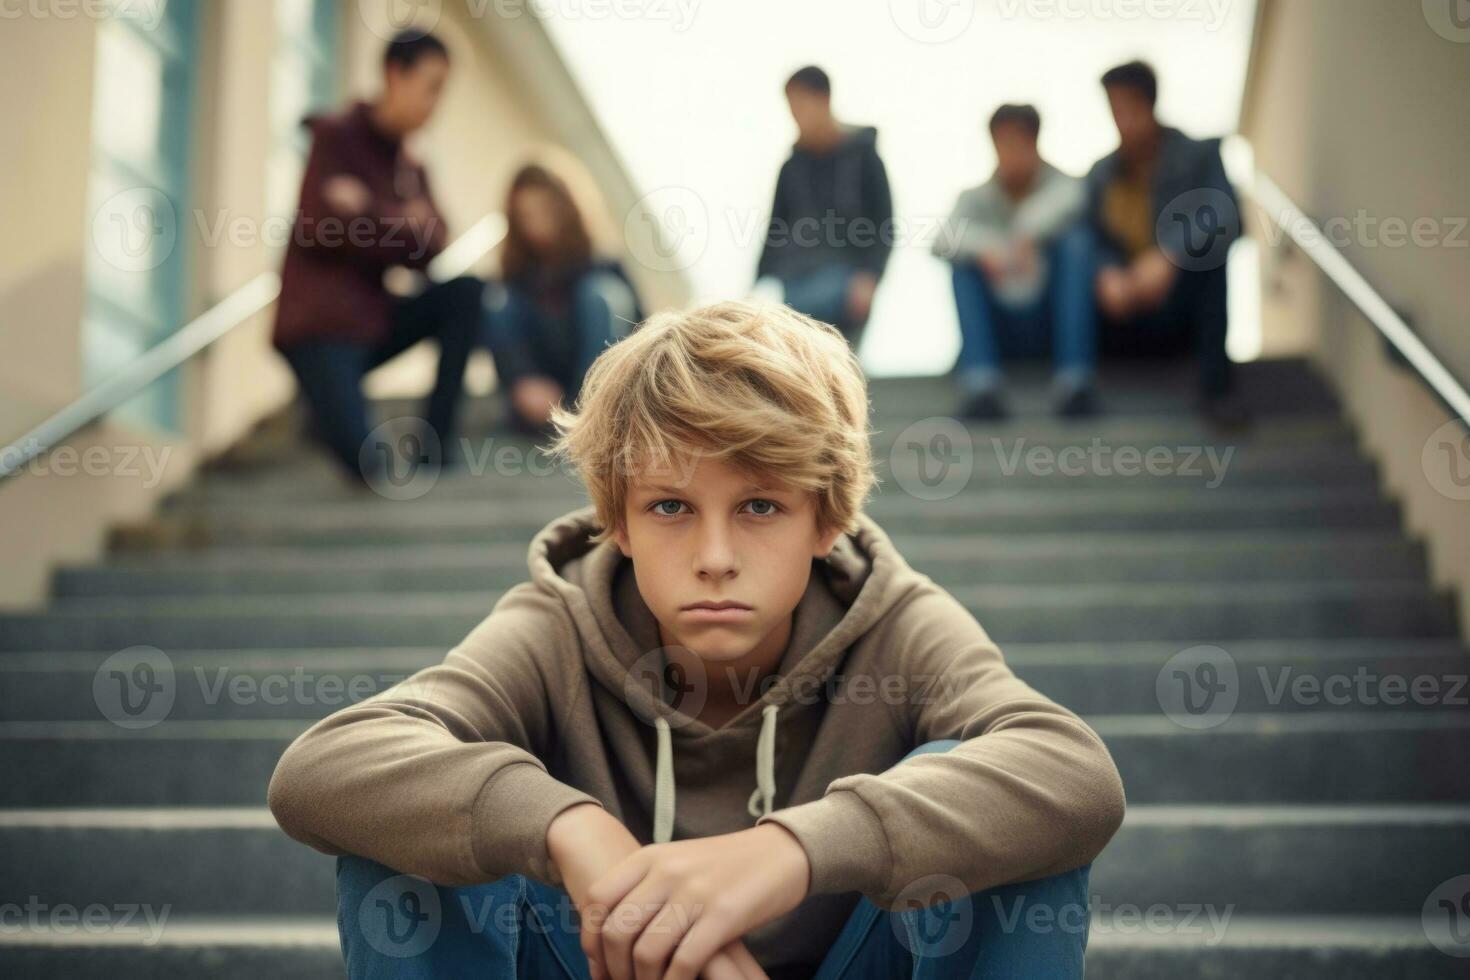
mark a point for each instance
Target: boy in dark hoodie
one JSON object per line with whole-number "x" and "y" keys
{"x": 725, "y": 730}
{"x": 831, "y": 226}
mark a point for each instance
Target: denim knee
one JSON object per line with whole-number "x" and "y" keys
{"x": 607, "y": 295}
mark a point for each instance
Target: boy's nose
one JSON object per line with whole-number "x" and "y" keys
{"x": 715, "y": 554}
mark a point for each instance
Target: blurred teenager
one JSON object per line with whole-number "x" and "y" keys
{"x": 1023, "y": 267}
{"x": 1166, "y": 214}
{"x": 365, "y": 207}
{"x": 557, "y": 305}
{"x": 831, "y": 226}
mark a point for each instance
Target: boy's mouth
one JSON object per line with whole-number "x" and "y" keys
{"x": 722, "y": 604}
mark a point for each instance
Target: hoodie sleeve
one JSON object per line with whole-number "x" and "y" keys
{"x": 1206, "y": 173}
{"x": 386, "y": 234}
{"x": 778, "y": 229}
{"x": 441, "y": 775}
{"x": 878, "y": 206}
{"x": 1030, "y": 790}
{"x": 1052, "y": 208}
{"x": 975, "y": 225}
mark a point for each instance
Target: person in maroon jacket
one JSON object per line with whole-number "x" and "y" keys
{"x": 365, "y": 207}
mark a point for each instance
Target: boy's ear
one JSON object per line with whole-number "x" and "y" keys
{"x": 826, "y": 541}
{"x": 620, "y": 535}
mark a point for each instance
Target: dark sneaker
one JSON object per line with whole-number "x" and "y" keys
{"x": 1226, "y": 412}
{"x": 1077, "y": 402}
{"x": 985, "y": 406}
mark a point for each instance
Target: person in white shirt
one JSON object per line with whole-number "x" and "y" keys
{"x": 1023, "y": 267}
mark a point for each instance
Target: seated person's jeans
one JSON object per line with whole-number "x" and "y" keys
{"x": 1061, "y": 323}
{"x": 1193, "y": 319}
{"x": 403, "y": 927}
{"x": 822, "y": 295}
{"x": 526, "y": 340}
{"x": 330, "y": 372}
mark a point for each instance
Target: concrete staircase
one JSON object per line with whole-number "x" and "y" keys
{"x": 1300, "y": 834}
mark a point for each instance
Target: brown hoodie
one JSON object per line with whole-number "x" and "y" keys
{"x": 456, "y": 773}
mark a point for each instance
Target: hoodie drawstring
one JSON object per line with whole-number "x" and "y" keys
{"x": 663, "y": 778}
{"x": 765, "y": 764}
{"x": 663, "y": 785}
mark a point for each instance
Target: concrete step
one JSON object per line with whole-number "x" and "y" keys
{"x": 490, "y": 447}
{"x": 1394, "y": 674}
{"x": 494, "y": 473}
{"x": 1032, "y": 613}
{"x": 980, "y": 560}
{"x": 1305, "y": 757}
{"x": 379, "y": 521}
{"x": 1314, "y": 451}
{"x": 1122, "y": 945}
{"x": 128, "y": 947}
{"x": 1183, "y": 943}
{"x": 1276, "y": 389}
{"x": 1298, "y": 860}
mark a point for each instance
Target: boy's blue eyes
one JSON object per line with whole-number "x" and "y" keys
{"x": 774, "y": 508}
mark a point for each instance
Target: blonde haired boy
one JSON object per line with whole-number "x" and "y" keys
{"x": 724, "y": 730}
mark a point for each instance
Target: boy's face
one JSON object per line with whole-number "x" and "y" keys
{"x": 719, "y": 536}
{"x": 1133, "y": 115}
{"x": 1016, "y": 156}
{"x": 413, "y": 91}
{"x": 809, "y": 110}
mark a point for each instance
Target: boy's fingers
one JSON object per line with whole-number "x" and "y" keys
{"x": 626, "y": 922}
{"x": 652, "y": 949}
{"x": 592, "y": 948}
{"x": 721, "y": 966}
{"x": 745, "y": 960}
{"x": 604, "y": 894}
{"x": 701, "y": 943}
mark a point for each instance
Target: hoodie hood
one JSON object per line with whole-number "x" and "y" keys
{"x": 833, "y": 178}
{"x": 847, "y": 592}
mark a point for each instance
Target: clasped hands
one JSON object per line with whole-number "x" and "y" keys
{"x": 674, "y": 911}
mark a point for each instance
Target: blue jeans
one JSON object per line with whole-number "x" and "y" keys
{"x": 525, "y": 339}
{"x": 402, "y": 927}
{"x": 1194, "y": 318}
{"x": 330, "y": 372}
{"x": 822, "y": 295}
{"x": 1062, "y": 322}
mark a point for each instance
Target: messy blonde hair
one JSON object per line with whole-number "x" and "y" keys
{"x": 757, "y": 385}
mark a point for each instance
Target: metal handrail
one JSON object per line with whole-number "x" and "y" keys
{"x": 204, "y": 330}
{"x": 1310, "y": 238}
